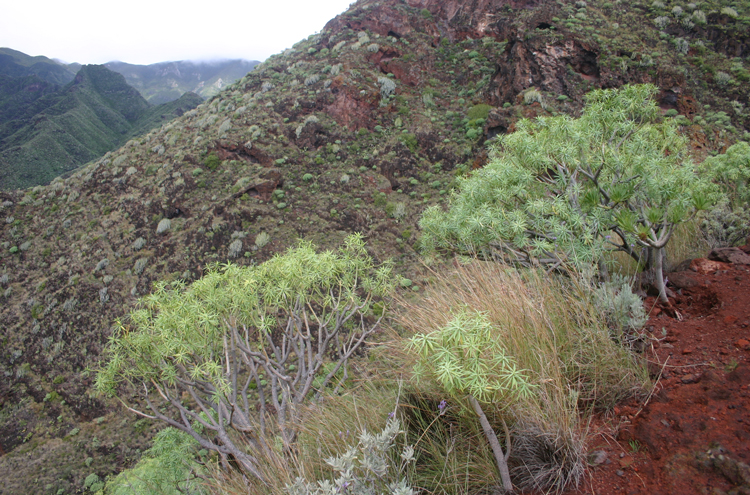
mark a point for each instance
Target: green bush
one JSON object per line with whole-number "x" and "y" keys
{"x": 197, "y": 339}
{"x": 480, "y": 111}
{"x": 731, "y": 171}
{"x": 563, "y": 352}
{"x": 212, "y": 161}
{"x": 555, "y": 188}
{"x": 167, "y": 468}
{"x": 93, "y": 483}
{"x": 410, "y": 140}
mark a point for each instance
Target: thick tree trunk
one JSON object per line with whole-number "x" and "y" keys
{"x": 659, "y": 274}
{"x": 653, "y": 273}
{"x": 247, "y": 462}
{"x": 500, "y": 457}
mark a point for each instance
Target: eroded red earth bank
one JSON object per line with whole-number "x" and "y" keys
{"x": 692, "y": 435}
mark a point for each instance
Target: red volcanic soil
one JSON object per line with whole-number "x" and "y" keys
{"x": 692, "y": 434}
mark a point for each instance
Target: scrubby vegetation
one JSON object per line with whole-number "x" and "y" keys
{"x": 556, "y": 187}
{"x": 360, "y": 129}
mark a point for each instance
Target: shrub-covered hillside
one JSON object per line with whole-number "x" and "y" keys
{"x": 357, "y": 129}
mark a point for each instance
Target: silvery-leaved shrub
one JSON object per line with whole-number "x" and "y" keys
{"x": 374, "y": 466}
{"x": 262, "y": 239}
{"x": 235, "y": 248}
{"x": 139, "y": 243}
{"x": 140, "y": 265}
{"x": 101, "y": 265}
{"x": 623, "y": 310}
{"x": 387, "y": 87}
{"x": 722, "y": 227}
{"x": 163, "y": 226}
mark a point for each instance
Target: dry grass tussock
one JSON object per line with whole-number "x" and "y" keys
{"x": 687, "y": 242}
{"x": 551, "y": 329}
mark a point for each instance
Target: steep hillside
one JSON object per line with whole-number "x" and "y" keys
{"x": 46, "y": 133}
{"x": 19, "y": 97}
{"x": 17, "y": 64}
{"x": 358, "y": 128}
{"x": 167, "y": 81}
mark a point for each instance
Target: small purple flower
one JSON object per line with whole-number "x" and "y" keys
{"x": 443, "y": 404}
{"x": 608, "y": 237}
{"x": 391, "y": 415}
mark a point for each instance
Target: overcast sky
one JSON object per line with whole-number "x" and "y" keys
{"x": 150, "y": 31}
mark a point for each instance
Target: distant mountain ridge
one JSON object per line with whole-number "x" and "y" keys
{"x": 158, "y": 83}
{"x": 17, "y": 64}
{"x": 55, "y": 117}
{"x": 46, "y": 130}
{"x": 167, "y": 81}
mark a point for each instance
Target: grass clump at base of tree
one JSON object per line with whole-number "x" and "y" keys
{"x": 550, "y": 328}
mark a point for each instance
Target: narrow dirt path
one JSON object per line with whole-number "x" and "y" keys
{"x": 692, "y": 435}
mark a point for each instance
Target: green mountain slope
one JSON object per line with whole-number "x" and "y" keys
{"x": 167, "y": 81}
{"x": 356, "y": 129}
{"x": 17, "y": 64}
{"x": 19, "y": 99}
{"x": 43, "y": 138}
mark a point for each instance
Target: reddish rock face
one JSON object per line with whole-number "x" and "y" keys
{"x": 568, "y": 66}
{"x": 351, "y": 109}
{"x": 264, "y": 186}
{"x": 704, "y": 266}
{"x": 476, "y": 17}
{"x": 235, "y": 151}
{"x": 730, "y": 255}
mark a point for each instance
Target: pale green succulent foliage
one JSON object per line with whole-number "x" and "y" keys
{"x": 557, "y": 185}
{"x": 729, "y": 223}
{"x": 373, "y": 467}
{"x": 248, "y": 343}
{"x": 732, "y": 172}
{"x": 473, "y": 367}
{"x": 723, "y": 227}
{"x": 463, "y": 357}
{"x": 167, "y": 468}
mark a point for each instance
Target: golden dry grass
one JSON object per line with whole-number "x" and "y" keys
{"x": 549, "y": 326}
